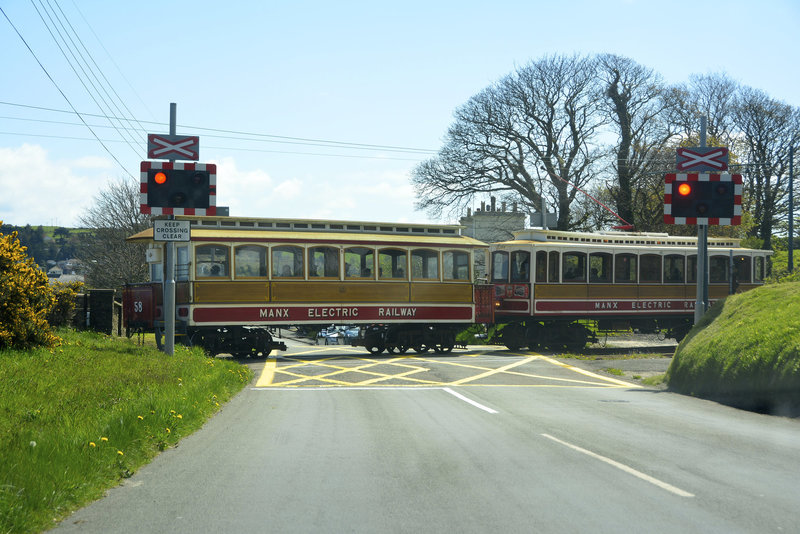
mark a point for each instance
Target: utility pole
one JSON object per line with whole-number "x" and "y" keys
{"x": 169, "y": 260}
{"x": 791, "y": 207}
{"x": 701, "y": 300}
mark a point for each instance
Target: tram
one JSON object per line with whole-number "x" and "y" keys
{"x": 557, "y": 289}
{"x": 406, "y": 285}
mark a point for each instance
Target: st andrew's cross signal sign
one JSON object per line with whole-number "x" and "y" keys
{"x": 185, "y": 147}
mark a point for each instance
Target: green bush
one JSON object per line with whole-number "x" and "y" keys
{"x": 25, "y": 298}
{"x": 64, "y": 308}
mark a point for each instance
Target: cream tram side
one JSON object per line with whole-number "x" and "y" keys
{"x": 407, "y": 285}
{"x": 552, "y": 287}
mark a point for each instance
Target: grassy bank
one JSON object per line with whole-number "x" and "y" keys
{"x": 76, "y": 419}
{"x": 745, "y": 352}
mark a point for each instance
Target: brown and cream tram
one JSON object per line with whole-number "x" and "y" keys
{"x": 552, "y": 286}
{"x": 406, "y": 285}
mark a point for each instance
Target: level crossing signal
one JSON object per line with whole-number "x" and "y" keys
{"x": 710, "y": 199}
{"x": 174, "y": 188}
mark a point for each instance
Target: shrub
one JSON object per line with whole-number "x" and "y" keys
{"x": 64, "y": 308}
{"x": 25, "y": 298}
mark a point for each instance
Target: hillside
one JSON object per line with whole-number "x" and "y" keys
{"x": 745, "y": 352}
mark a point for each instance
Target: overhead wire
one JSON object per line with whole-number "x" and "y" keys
{"x": 245, "y": 136}
{"x": 66, "y": 98}
{"x": 75, "y": 64}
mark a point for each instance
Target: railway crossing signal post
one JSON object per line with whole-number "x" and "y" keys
{"x": 175, "y": 188}
{"x": 703, "y": 199}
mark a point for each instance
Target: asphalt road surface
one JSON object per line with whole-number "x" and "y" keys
{"x": 331, "y": 439}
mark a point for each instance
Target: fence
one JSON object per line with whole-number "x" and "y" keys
{"x": 97, "y": 310}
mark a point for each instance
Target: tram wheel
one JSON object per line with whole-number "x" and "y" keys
{"x": 374, "y": 349}
{"x": 421, "y": 349}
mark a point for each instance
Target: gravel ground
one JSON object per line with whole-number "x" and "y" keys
{"x": 636, "y": 356}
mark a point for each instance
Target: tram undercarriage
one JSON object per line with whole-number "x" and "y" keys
{"x": 573, "y": 335}
{"x": 238, "y": 341}
{"x": 397, "y": 339}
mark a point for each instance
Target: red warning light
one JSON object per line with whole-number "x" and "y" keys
{"x": 160, "y": 178}
{"x": 684, "y": 189}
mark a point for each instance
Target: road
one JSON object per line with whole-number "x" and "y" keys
{"x": 329, "y": 439}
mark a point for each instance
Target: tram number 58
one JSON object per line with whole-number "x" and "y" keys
{"x": 138, "y": 307}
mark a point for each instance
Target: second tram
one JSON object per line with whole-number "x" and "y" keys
{"x": 556, "y": 289}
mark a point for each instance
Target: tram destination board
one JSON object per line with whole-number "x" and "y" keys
{"x": 170, "y": 230}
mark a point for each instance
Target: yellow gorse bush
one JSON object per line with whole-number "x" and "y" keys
{"x": 25, "y": 298}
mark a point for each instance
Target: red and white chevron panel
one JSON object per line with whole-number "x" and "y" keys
{"x": 736, "y": 220}
{"x": 177, "y": 165}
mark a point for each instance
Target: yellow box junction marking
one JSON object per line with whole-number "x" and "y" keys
{"x": 409, "y": 366}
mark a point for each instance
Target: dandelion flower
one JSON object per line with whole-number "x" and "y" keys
{"x": 104, "y": 438}
{"x": 121, "y": 453}
{"x": 140, "y": 418}
{"x": 92, "y": 444}
{"x": 179, "y": 416}
{"x": 168, "y": 430}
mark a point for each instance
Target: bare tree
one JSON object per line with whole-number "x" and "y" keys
{"x": 712, "y": 96}
{"x": 767, "y": 128}
{"x": 529, "y": 135}
{"x": 639, "y": 107}
{"x": 110, "y": 259}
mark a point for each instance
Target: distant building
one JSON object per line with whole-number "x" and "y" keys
{"x": 491, "y": 225}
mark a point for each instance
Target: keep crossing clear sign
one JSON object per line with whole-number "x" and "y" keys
{"x": 169, "y": 230}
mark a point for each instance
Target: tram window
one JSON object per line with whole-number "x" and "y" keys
{"x": 424, "y": 265}
{"x": 718, "y": 269}
{"x": 691, "y": 269}
{"x": 455, "y": 264}
{"x": 392, "y": 264}
{"x": 250, "y": 261}
{"x": 521, "y": 266}
{"x": 500, "y": 266}
{"x": 211, "y": 261}
{"x": 323, "y": 262}
{"x": 600, "y": 267}
{"x": 650, "y": 268}
{"x": 359, "y": 262}
{"x": 625, "y": 269}
{"x": 574, "y": 267}
{"x": 553, "y": 264}
{"x": 541, "y": 266}
{"x": 758, "y": 272}
{"x": 674, "y": 268}
{"x": 741, "y": 265}
{"x": 287, "y": 262}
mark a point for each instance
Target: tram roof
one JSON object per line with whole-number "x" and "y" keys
{"x": 314, "y": 230}
{"x": 646, "y": 239}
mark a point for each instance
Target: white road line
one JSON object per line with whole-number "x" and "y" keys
{"x": 472, "y": 402}
{"x": 630, "y": 470}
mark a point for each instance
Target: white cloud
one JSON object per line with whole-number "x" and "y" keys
{"x": 37, "y": 190}
{"x": 246, "y": 193}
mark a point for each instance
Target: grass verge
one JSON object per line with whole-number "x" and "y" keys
{"x": 76, "y": 419}
{"x": 745, "y": 352}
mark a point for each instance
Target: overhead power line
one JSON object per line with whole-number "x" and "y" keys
{"x": 249, "y": 136}
{"x": 69, "y": 102}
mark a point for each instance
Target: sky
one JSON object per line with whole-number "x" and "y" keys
{"x": 316, "y": 109}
